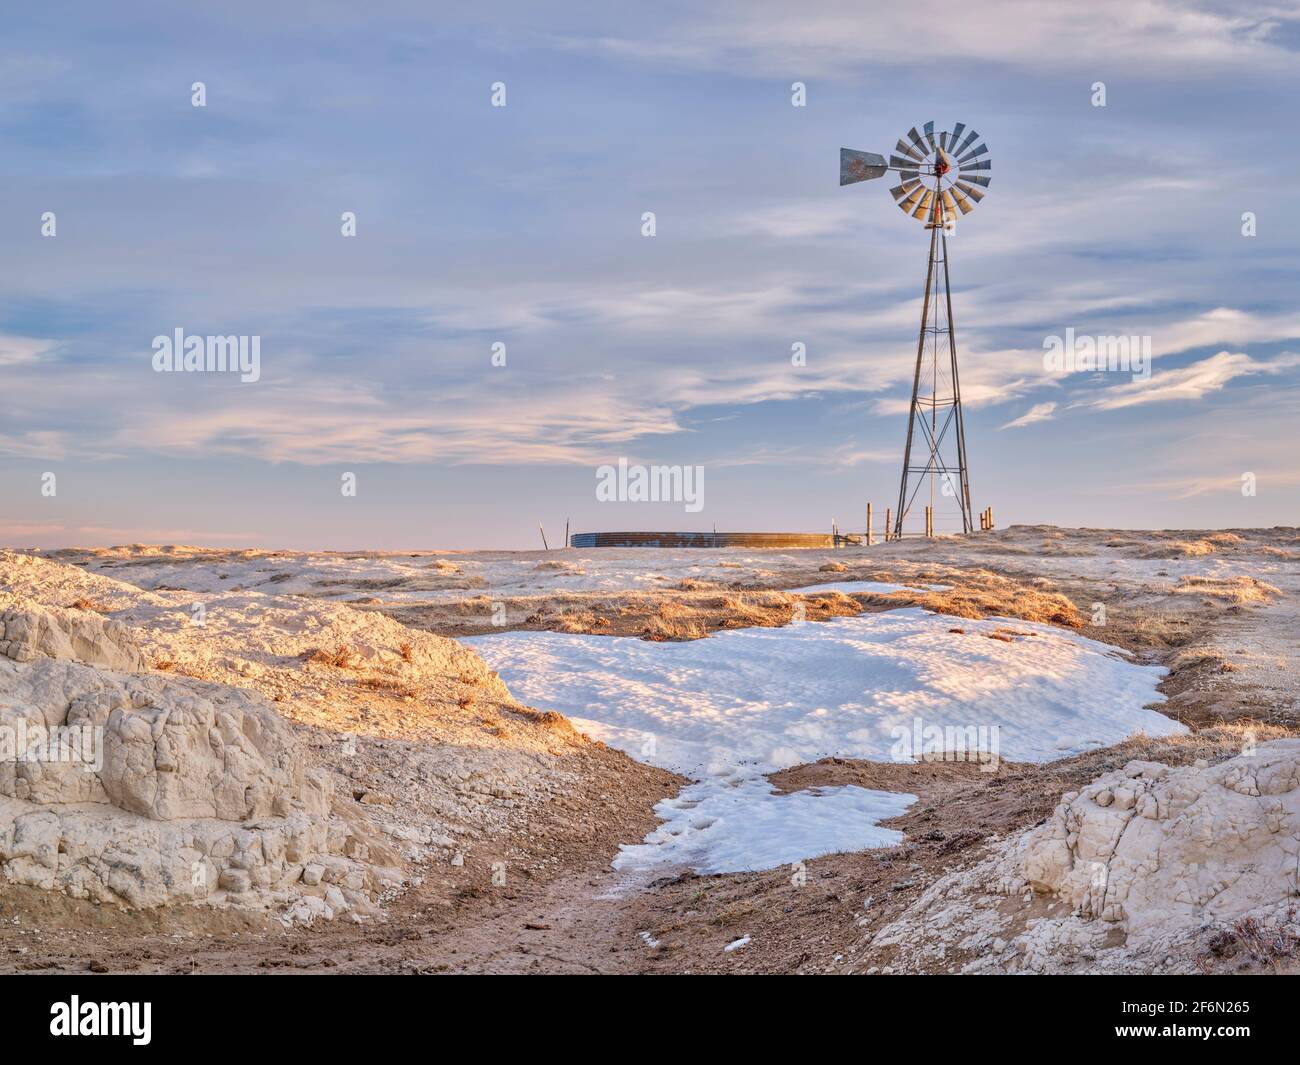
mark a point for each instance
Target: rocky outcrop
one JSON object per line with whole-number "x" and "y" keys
{"x": 32, "y": 631}
{"x": 165, "y": 748}
{"x": 1151, "y": 848}
{"x": 147, "y": 790}
{"x": 1130, "y": 874}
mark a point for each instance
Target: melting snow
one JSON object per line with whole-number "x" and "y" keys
{"x": 732, "y": 708}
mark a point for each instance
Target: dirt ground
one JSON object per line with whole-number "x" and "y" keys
{"x": 1218, "y": 609}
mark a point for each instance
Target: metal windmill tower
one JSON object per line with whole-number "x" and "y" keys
{"x": 940, "y": 175}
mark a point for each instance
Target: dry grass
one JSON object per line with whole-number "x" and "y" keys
{"x": 999, "y": 597}
{"x": 661, "y": 629}
{"x": 341, "y": 657}
{"x": 405, "y": 651}
{"x": 733, "y": 915}
{"x": 1177, "y": 549}
{"x": 1249, "y": 941}
{"x": 95, "y": 605}
{"x": 164, "y": 665}
{"x": 388, "y": 684}
{"x": 1235, "y": 590}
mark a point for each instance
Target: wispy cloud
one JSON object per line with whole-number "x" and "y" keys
{"x": 1039, "y": 412}
{"x": 1190, "y": 382}
{"x": 766, "y": 37}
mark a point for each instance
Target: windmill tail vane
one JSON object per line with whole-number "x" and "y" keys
{"x": 942, "y": 176}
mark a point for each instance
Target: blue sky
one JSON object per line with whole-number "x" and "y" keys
{"x": 522, "y": 225}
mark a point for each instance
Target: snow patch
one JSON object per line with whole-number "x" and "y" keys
{"x": 730, "y": 709}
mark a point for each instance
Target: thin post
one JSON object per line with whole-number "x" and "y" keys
{"x": 889, "y": 523}
{"x": 543, "y": 532}
{"x": 566, "y": 532}
{"x": 990, "y": 517}
{"x": 929, "y": 521}
{"x": 868, "y": 524}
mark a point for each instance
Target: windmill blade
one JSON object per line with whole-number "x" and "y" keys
{"x": 911, "y": 201}
{"x": 975, "y": 154}
{"x": 936, "y": 212}
{"x": 950, "y": 204}
{"x": 917, "y": 142}
{"x": 955, "y": 136}
{"x": 899, "y": 163}
{"x": 924, "y": 205}
{"x": 860, "y": 166}
{"x": 973, "y": 193}
{"x": 899, "y": 191}
{"x": 976, "y": 179}
{"x": 983, "y": 164}
{"x": 929, "y": 135}
{"x": 906, "y": 149}
{"x": 971, "y": 138}
{"x": 964, "y": 205}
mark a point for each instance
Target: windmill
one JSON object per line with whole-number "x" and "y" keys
{"x": 940, "y": 174}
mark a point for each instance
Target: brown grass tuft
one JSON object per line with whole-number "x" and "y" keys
{"x": 1236, "y": 590}
{"x": 662, "y": 629}
{"x": 388, "y": 684}
{"x": 1177, "y": 549}
{"x": 341, "y": 657}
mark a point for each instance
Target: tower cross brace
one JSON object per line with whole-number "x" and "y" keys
{"x": 935, "y": 428}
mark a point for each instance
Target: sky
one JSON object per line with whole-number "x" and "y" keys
{"x": 522, "y": 225}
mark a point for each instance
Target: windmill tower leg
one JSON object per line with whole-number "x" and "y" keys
{"x": 938, "y": 414}
{"x": 901, "y": 510}
{"x": 963, "y": 487}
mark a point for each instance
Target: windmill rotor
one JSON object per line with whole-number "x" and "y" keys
{"x": 952, "y": 165}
